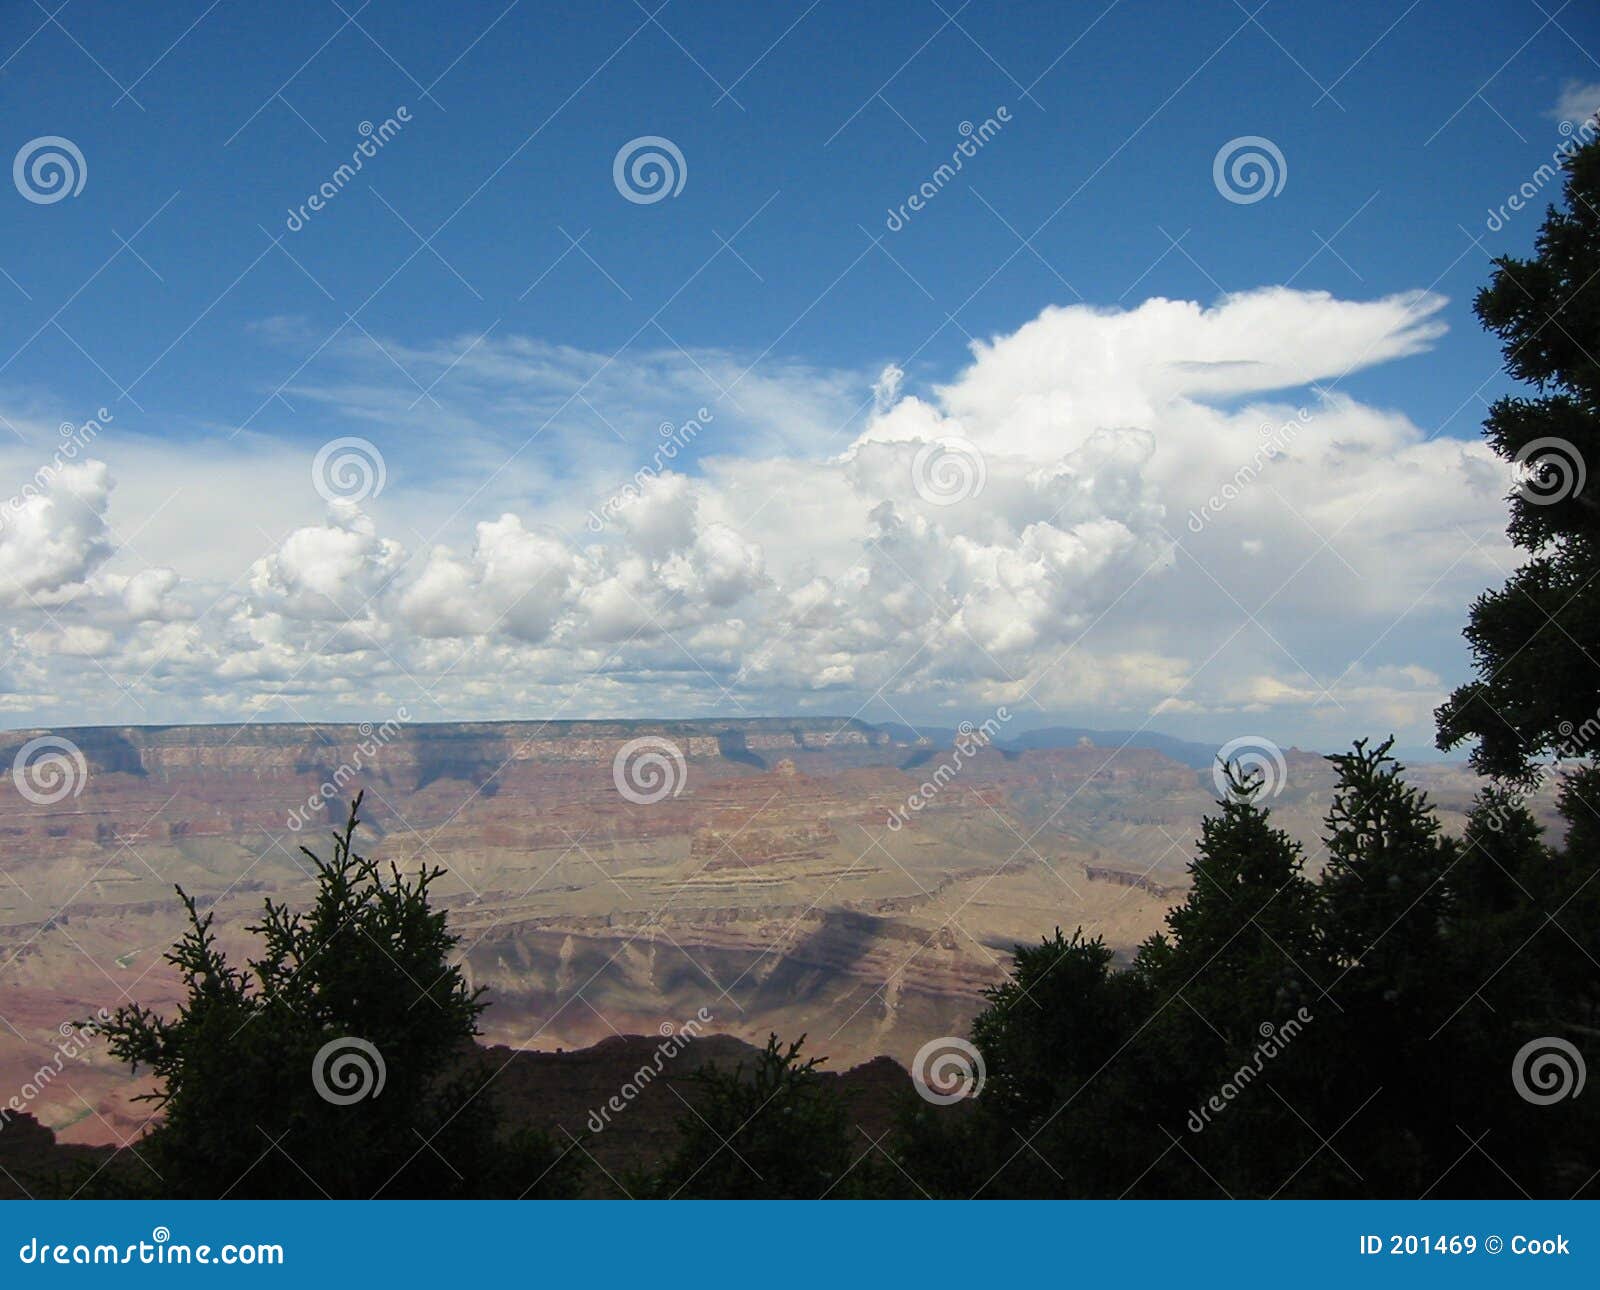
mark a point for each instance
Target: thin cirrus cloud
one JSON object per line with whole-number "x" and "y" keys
{"x": 1170, "y": 513}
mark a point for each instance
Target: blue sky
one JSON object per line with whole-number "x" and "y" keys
{"x": 483, "y": 306}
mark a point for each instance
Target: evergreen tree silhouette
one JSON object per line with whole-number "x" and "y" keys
{"x": 1533, "y": 641}
{"x": 769, "y": 1129}
{"x": 339, "y": 1064}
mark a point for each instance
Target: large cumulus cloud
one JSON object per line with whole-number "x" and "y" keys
{"x": 1170, "y": 510}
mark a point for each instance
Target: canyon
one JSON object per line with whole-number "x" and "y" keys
{"x": 860, "y": 884}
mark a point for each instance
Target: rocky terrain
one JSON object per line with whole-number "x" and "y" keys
{"x": 572, "y": 1096}
{"x": 774, "y": 873}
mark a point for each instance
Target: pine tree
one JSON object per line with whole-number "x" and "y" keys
{"x": 1386, "y": 862}
{"x": 1245, "y": 935}
{"x": 1052, "y": 1024}
{"x": 338, "y": 1065}
{"x": 1533, "y": 641}
{"x": 771, "y": 1129}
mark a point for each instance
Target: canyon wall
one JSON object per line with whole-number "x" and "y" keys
{"x": 818, "y": 876}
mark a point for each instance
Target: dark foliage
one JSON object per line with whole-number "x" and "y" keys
{"x": 771, "y": 1129}
{"x": 1533, "y": 641}
{"x": 340, "y": 1064}
{"x": 1348, "y": 1037}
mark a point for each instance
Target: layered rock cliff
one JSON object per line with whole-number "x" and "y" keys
{"x": 825, "y": 877}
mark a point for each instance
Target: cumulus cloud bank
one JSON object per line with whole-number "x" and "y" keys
{"x": 1170, "y": 512}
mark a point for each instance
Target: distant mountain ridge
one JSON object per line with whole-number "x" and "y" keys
{"x": 474, "y": 750}
{"x": 739, "y": 739}
{"x": 1186, "y": 751}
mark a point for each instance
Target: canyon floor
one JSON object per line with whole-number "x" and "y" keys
{"x": 766, "y": 887}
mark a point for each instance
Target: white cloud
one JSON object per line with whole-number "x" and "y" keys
{"x": 886, "y": 389}
{"x": 793, "y": 556}
{"x": 53, "y": 538}
{"x": 515, "y": 582}
{"x": 330, "y": 572}
{"x": 1578, "y": 102}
